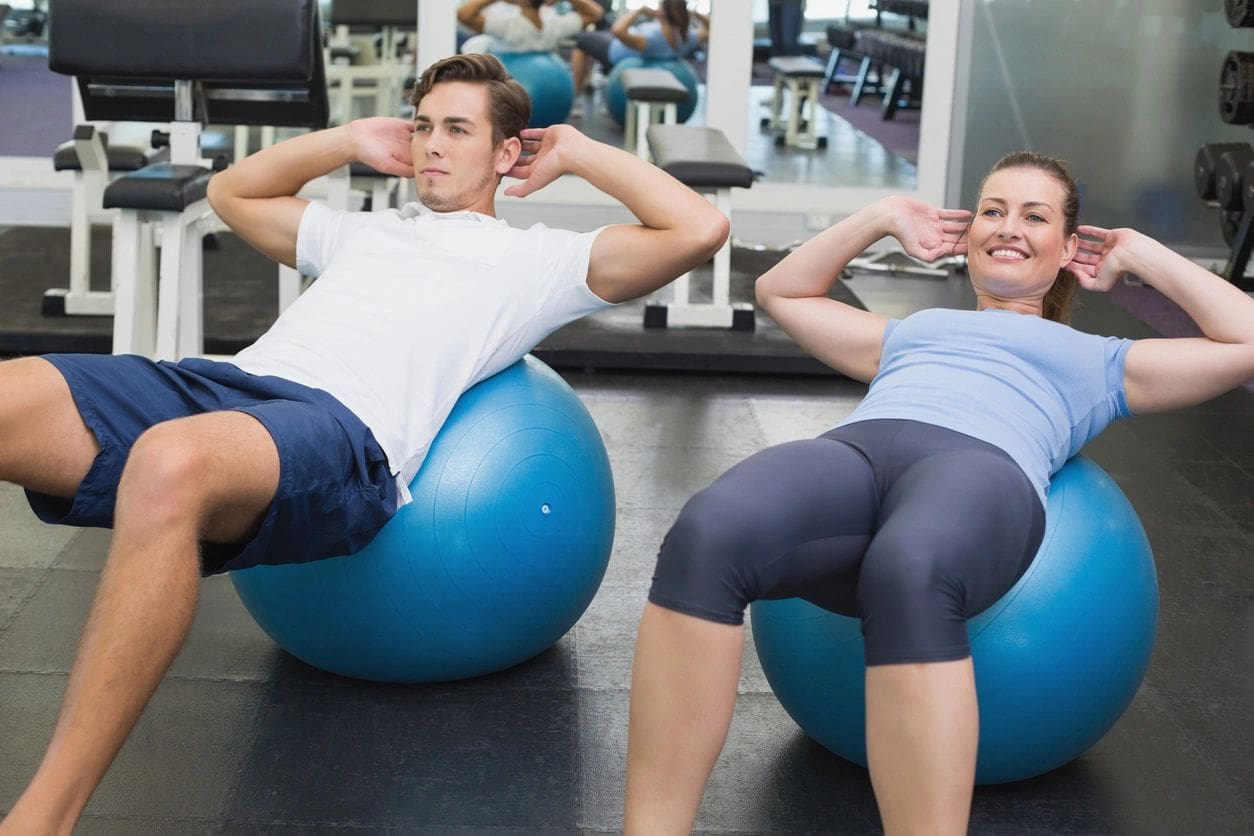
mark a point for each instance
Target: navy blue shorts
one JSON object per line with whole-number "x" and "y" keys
{"x": 335, "y": 490}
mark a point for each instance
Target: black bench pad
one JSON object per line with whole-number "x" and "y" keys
{"x": 797, "y": 66}
{"x": 165, "y": 187}
{"x": 698, "y": 157}
{"x": 652, "y": 84}
{"x": 120, "y": 157}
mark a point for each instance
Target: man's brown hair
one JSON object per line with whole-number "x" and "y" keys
{"x": 509, "y": 106}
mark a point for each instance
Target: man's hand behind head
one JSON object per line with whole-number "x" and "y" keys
{"x": 384, "y": 143}
{"x": 548, "y": 153}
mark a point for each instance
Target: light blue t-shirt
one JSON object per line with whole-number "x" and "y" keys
{"x": 1037, "y": 389}
{"x": 656, "y": 47}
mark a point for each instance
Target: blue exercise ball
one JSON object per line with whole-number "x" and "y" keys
{"x": 616, "y": 97}
{"x": 1057, "y": 659}
{"x": 548, "y": 82}
{"x": 499, "y": 554}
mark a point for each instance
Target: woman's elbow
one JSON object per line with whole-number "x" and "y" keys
{"x": 763, "y": 291}
{"x": 716, "y": 233}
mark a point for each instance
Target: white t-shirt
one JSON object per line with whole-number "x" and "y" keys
{"x": 412, "y": 307}
{"x": 515, "y": 33}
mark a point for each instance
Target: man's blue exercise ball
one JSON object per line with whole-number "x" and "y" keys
{"x": 499, "y": 554}
{"x": 1057, "y": 659}
{"x": 548, "y": 82}
{"x": 616, "y": 97}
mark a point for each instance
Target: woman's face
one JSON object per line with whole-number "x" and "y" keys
{"x": 1018, "y": 240}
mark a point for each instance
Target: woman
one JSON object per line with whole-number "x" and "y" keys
{"x": 669, "y": 34}
{"x": 531, "y": 26}
{"x": 927, "y": 503}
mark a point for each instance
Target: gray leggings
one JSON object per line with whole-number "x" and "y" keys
{"x": 911, "y": 527}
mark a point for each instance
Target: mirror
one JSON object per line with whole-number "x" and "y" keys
{"x": 593, "y": 59}
{"x": 849, "y": 73}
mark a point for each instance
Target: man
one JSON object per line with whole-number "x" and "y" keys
{"x": 302, "y": 446}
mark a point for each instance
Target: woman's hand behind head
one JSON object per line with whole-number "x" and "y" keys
{"x": 925, "y": 232}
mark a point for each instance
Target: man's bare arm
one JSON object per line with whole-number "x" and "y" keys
{"x": 256, "y": 197}
{"x": 678, "y": 230}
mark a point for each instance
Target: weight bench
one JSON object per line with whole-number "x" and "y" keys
{"x": 267, "y": 73}
{"x": 92, "y": 159}
{"x": 801, "y": 76}
{"x": 653, "y": 95}
{"x": 383, "y": 79}
{"x": 702, "y": 159}
{"x": 903, "y": 56}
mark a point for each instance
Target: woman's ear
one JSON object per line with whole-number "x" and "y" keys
{"x": 508, "y": 154}
{"x": 1069, "y": 250}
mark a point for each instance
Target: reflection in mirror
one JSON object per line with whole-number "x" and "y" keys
{"x": 836, "y": 91}
{"x": 572, "y": 54}
{"x": 369, "y": 57}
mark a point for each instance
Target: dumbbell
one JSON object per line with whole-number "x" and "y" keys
{"x": 1236, "y": 88}
{"x": 1206, "y": 161}
{"x": 1229, "y": 223}
{"x": 1240, "y": 12}
{"x": 1228, "y": 176}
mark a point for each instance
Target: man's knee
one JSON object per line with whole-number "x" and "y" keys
{"x": 163, "y": 481}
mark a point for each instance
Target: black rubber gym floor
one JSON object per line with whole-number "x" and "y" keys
{"x": 242, "y": 739}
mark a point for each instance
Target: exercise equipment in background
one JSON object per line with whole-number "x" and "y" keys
{"x": 499, "y": 554}
{"x": 267, "y": 73}
{"x": 1057, "y": 659}
{"x": 548, "y": 83}
{"x": 616, "y": 97}
{"x": 1224, "y": 171}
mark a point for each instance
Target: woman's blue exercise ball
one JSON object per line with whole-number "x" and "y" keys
{"x": 499, "y": 554}
{"x": 548, "y": 82}
{"x": 1057, "y": 659}
{"x": 616, "y": 97}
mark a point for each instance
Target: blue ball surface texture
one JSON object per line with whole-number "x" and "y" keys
{"x": 548, "y": 82}
{"x": 499, "y": 554}
{"x": 1057, "y": 659}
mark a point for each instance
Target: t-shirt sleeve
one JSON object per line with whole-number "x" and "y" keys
{"x": 322, "y": 230}
{"x": 565, "y": 274}
{"x": 1116, "y": 364}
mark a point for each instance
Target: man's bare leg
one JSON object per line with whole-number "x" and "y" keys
{"x": 209, "y": 477}
{"x": 44, "y": 444}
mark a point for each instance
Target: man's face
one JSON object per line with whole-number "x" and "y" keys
{"x": 455, "y": 164}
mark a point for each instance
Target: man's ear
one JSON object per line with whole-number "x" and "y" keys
{"x": 508, "y": 154}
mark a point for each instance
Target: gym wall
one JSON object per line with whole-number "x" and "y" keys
{"x": 1125, "y": 90}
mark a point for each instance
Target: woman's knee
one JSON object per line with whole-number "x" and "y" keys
{"x": 705, "y": 566}
{"x": 913, "y": 603}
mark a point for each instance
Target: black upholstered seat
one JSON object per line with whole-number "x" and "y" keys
{"x": 164, "y": 187}
{"x": 653, "y": 84}
{"x": 120, "y": 157}
{"x": 698, "y": 157}
{"x": 797, "y": 66}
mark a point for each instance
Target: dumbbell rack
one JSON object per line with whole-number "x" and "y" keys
{"x": 1224, "y": 172}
